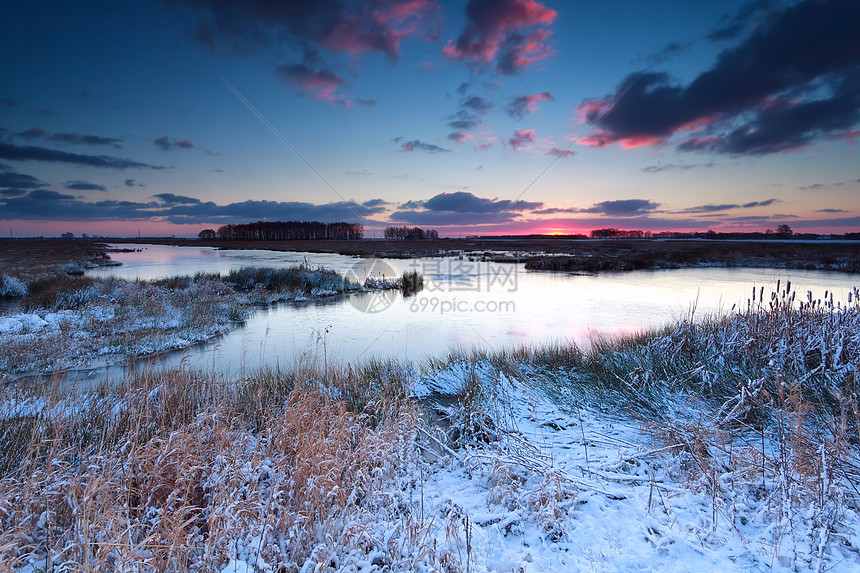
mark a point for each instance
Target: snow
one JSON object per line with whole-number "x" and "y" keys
{"x": 22, "y": 324}
{"x": 11, "y": 286}
{"x": 514, "y": 468}
{"x": 588, "y": 490}
{"x": 532, "y": 481}
{"x": 237, "y": 566}
{"x": 119, "y": 319}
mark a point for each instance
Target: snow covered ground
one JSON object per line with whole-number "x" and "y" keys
{"x": 730, "y": 444}
{"x": 498, "y": 474}
{"x": 580, "y": 489}
{"x": 106, "y": 320}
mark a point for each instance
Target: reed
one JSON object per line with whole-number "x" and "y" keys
{"x": 71, "y": 321}
{"x": 161, "y": 471}
{"x": 323, "y": 467}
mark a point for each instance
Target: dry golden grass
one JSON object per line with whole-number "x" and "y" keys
{"x": 30, "y": 258}
{"x": 166, "y": 472}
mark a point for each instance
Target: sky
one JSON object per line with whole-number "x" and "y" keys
{"x": 473, "y": 117}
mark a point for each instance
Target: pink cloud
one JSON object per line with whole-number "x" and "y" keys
{"x": 322, "y": 84}
{"x": 521, "y": 137}
{"x": 850, "y": 136}
{"x": 459, "y": 136}
{"x": 510, "y": 32}
{"x": 521, "y": 106}
{"x": 380, "y": 26}
{"x": 602, "y": 139}
{"x": 590, "y": 108}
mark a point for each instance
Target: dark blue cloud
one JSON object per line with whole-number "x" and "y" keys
{"x": 623, "y": 207}
{"x": 172, "y": 199}
{"x": 85, "y": 139}
{"x": 463, "y": 202}
{"x": 19, "y": 180}
{"x": 166, "y": 145}
{"x": 34, "y": 153}
{"x": 618, "y": 208}
{"x": 461, "y": 208}
{"x": 417, "y": 145}
{"x": 32, "y": 133}
{"x": 46, "y": 205}
{"x": 477, "y": 104}
{"x": 352, "y": 26}
{"x": 669, "y": 51}
{"x": 712, "y": 208}
{"x": 468, "y": 117}
{"x": 48, "y": 195}
{"x": 560, "y": 153}
{"x": 660, "y": 167}
{"x": 442, "y": 218}
{"x": 732, "y": 26}
{"x": 84, "y": 186}
{"x": 764, "y": 203}
{"x": 793, "y": 81}
{"x": 70, "y": 138}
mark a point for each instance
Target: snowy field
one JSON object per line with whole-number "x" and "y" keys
{"x": 86, "y": 322}
{"x": 727, "y": 444}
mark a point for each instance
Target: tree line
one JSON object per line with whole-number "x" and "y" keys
{"x": 780, "y": 232}
{"x": 284, "y": 231}
{"x": 410, "y": 233}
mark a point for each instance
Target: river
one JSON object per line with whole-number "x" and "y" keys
{"x": 465, "y": 304}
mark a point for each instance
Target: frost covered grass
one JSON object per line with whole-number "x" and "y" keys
{"x": 756, "y": 413}
{"x": 726, "y": 443}
{"x": 409, "y": 283}
{"x": 178, "y": 471}
{"x": 11, "y": 287}
{"x": 72, "y": 321}
{"x": 26, "y": 260}
{"x": 300, "y": 279}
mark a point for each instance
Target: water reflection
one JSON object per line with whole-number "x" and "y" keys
{"x": 464, "y": 304}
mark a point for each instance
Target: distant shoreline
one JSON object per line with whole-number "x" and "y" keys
{"x": 538, "y": 253}
{"x": 577, "y": 255}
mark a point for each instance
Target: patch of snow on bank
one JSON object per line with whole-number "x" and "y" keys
{"x": 558, "y": 489}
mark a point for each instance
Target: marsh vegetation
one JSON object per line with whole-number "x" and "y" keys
{"x": 720, "y": 441}
{"x": 737, "y": 434}
{"x": 67, "y": 321}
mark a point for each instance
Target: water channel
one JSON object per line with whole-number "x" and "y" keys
{"x": 465, "y": 304}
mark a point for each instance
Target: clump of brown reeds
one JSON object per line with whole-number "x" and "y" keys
{"x": 177, "y": 470}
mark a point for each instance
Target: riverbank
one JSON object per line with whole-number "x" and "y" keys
{"x": 71, "y": 322}
{"x": 541, "y": 253}
{"x": 729, "y": 443}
